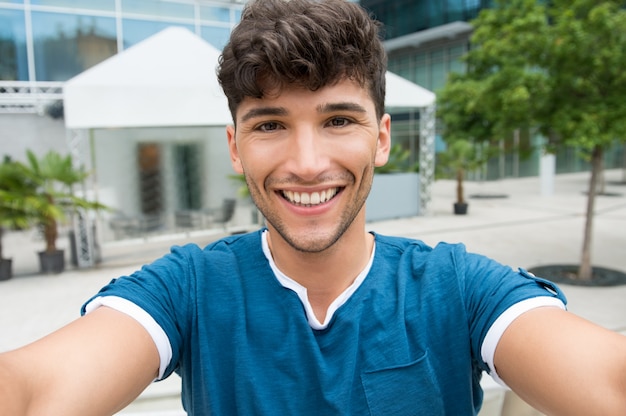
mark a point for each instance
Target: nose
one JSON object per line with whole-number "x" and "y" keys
{"x": 308, "y": 153}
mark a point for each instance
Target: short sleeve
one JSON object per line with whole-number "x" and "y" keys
{"x": 162, "y": 289}
{"x": 490, "y": 289}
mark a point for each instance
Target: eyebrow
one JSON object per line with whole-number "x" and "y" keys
{"x": 343, "y": 106}
{"x": 263, "y": 111}
{"x": 281, "y": 111}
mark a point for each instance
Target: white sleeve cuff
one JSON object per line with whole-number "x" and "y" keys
{"x": 494, "y": 334}
{"x": 159, "y": 336}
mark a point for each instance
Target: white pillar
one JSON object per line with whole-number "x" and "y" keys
{"x": 547, "y": 172}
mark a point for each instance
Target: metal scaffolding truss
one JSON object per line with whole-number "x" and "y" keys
{"x": 28, "y": 97}
{"x": 427, "y": 155}
{"x": 84, "y": 238}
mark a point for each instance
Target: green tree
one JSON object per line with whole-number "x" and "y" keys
{"x": 556, "y": 67}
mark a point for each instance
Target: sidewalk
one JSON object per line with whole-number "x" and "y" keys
{"x": 522, "y": 230}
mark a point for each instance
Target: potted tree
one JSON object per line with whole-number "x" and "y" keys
{"x": 460, "y": 156}
{"x": 54, "y": 176}
{"x": 14, "y": 186}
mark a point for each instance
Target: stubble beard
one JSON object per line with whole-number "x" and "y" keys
{"x": 316, "y": 243}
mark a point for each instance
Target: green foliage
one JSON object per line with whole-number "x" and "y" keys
{"x": 14, "y": 185}
{"x": 14, "y": 182}
{"x": 240, "y": 180}
{"x": 557, "y": 68}
{"x": 50, "y": 197}
{"x": 584, "y": 61}
{"x": 399, "y": 161}
{"x": 461, "y": 156}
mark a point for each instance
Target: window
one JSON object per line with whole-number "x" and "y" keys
{"x": 150, "y": 181}
{"x": 137, "y": 30}
{"x": 158, "y": 8}
{"x": 13, "y": 62}
{"x": 216, "y": 36}
{"x": 106, "y": 5}
{"x": 216, "y": 14}
{"x": 67, "y": 44}
{"x": 188, "y": 177}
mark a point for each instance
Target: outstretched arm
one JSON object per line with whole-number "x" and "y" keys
{"x": 96, "y": 365}
{"x": 562, "y": 364}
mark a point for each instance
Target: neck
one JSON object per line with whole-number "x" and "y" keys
{"x": 328, "y": 273}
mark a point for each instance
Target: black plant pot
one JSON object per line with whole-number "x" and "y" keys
{"x": 51, "y": 263}
{"x": 460, "y": 208}
{"x": 6, "y": 270}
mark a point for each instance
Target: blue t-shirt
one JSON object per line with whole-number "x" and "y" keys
{"x": 407, "y": 342}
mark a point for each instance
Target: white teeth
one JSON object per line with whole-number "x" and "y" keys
{"x": 313, "y": 198}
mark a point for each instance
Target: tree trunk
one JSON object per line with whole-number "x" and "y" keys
{"x": 459, "y": 186}
{"x": 585, "y": 269}
{"x": 601, "y": 178}
{"x": 50, "y": 232}
{"x": 624, "y": 164}
{"x": 1, "y": 235}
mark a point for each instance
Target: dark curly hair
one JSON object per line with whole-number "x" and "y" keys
{"x": 308, "y": 43}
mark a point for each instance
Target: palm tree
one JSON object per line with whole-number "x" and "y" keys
{"x": 460, "y": 157}
{"x": 14, "y": 202}
{"x": 54, "y": 176}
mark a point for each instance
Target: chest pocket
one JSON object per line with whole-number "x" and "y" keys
{"x": 407, "y": 390}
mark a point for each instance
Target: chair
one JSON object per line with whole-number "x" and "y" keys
{"x": 189, "y": 219}
{"x": 135, "y": 226}
{"x": 222, "y": 215}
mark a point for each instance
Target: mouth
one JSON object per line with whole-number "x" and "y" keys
{"x": 310, "y": 199}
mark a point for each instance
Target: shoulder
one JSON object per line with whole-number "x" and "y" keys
{"x": 419, "y": 251}
{"x": 237, "y": 245}
{"x": 237, "y": 241}
{"x": 442, "y": 266}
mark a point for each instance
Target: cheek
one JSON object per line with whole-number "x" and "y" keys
{"x": 254, "y": 172}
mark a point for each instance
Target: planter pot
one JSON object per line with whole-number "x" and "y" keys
{"x": 460, "y": 209}
{"x": 393, "y": 195}
{"x": 51, "y": 263}
{"x": 6, "y": 271}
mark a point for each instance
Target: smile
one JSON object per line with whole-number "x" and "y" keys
{"x": 310, "y": 199}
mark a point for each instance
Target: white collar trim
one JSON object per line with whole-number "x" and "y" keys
{"x": 301, "y": 291}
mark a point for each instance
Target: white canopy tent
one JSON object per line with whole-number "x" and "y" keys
{"x": 402, "y": 93}
{"x": 166, "y": 80}
{"x": 169, "y": 80}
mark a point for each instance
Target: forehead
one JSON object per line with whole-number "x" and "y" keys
{"x": 291, "y": 98}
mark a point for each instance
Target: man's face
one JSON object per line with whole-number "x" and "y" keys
{"x": 309, "y": 158}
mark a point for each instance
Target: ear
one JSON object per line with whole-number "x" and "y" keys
{"x": 232, "y": 148}
{"x": 384, "y": 141}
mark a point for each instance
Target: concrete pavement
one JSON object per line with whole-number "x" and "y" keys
{"x": 523, "y": 229}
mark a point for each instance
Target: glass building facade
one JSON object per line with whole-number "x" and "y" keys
{"x": 54, "y": 40}
{"x": 404, "y": 17}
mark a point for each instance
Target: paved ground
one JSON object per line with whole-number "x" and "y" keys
{"x": 524, "y": 229}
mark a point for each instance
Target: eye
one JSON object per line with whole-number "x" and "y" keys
{"x": 268, "y": 126}
{"x": 339, "y": 122}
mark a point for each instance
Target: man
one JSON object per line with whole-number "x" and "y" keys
{"x": 314, "y": 315}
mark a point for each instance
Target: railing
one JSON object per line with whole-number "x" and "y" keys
{"x": 28, "y": 97}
